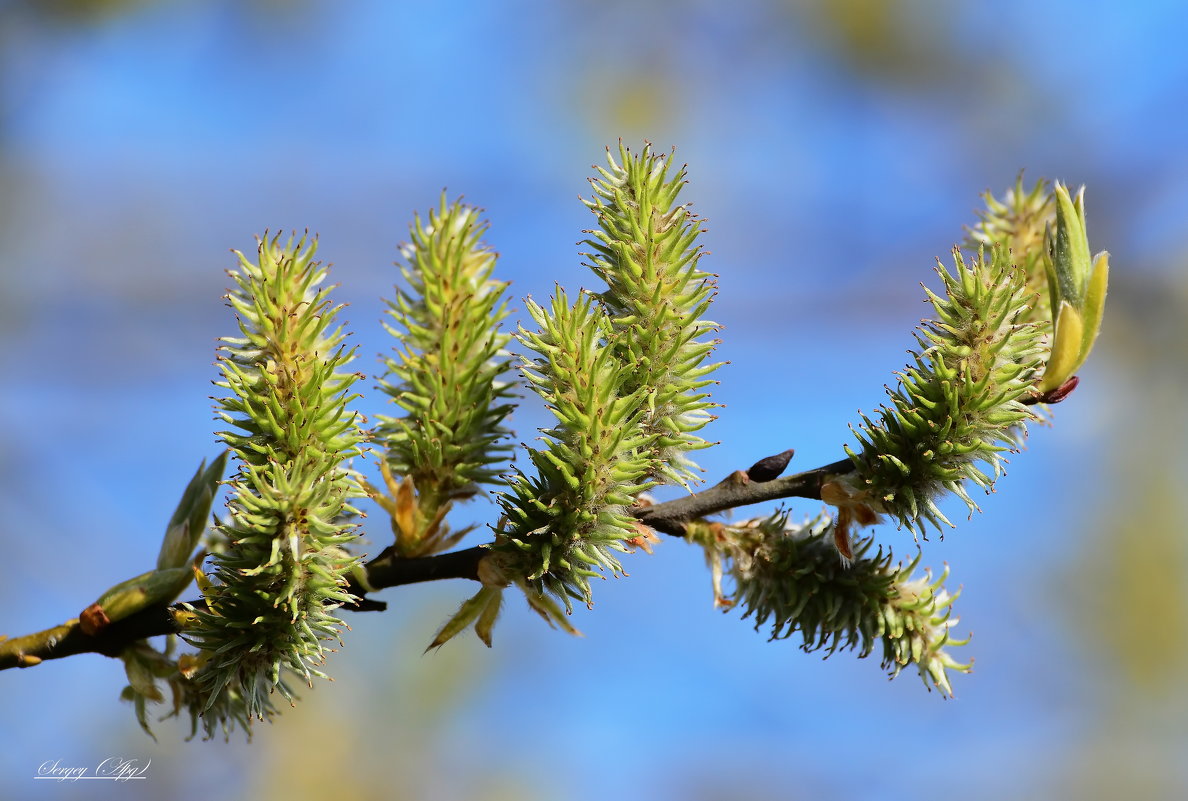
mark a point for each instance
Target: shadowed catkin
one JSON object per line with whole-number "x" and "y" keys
{"x": 1019, "y": 222}
{"x": 788, "y": 578}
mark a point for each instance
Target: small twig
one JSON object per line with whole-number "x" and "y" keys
{"x": 736, "y": 490}
{"x": 390, "y": 570}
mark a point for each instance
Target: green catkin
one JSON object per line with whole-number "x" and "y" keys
{"x": 788, "y": 579}
{"x": 283, "y": 571}
{"x": 958, "y": 405}
{"x": 646, "y": 251}
{"x": 446, "y": 369}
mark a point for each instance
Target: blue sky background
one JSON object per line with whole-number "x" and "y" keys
{"x": 835, "y": 150}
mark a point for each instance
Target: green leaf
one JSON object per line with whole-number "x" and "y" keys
{"x": 1078, "y": 289}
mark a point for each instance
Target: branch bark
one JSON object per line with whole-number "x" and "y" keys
{"x": 734, "y": 491}
{"x": 388, "y": 570}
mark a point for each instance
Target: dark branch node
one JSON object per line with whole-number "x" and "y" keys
{"x": 769, "y": 468}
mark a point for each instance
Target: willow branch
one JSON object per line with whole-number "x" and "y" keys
{"x": 389, "y": 570}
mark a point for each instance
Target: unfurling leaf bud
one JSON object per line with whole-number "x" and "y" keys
{"x": 189, "y": 519}
{"x": 129, "y": 597}
{"x": 1077, "y": 287}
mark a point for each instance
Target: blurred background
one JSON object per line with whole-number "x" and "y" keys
{"x": 835, "y": 149}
